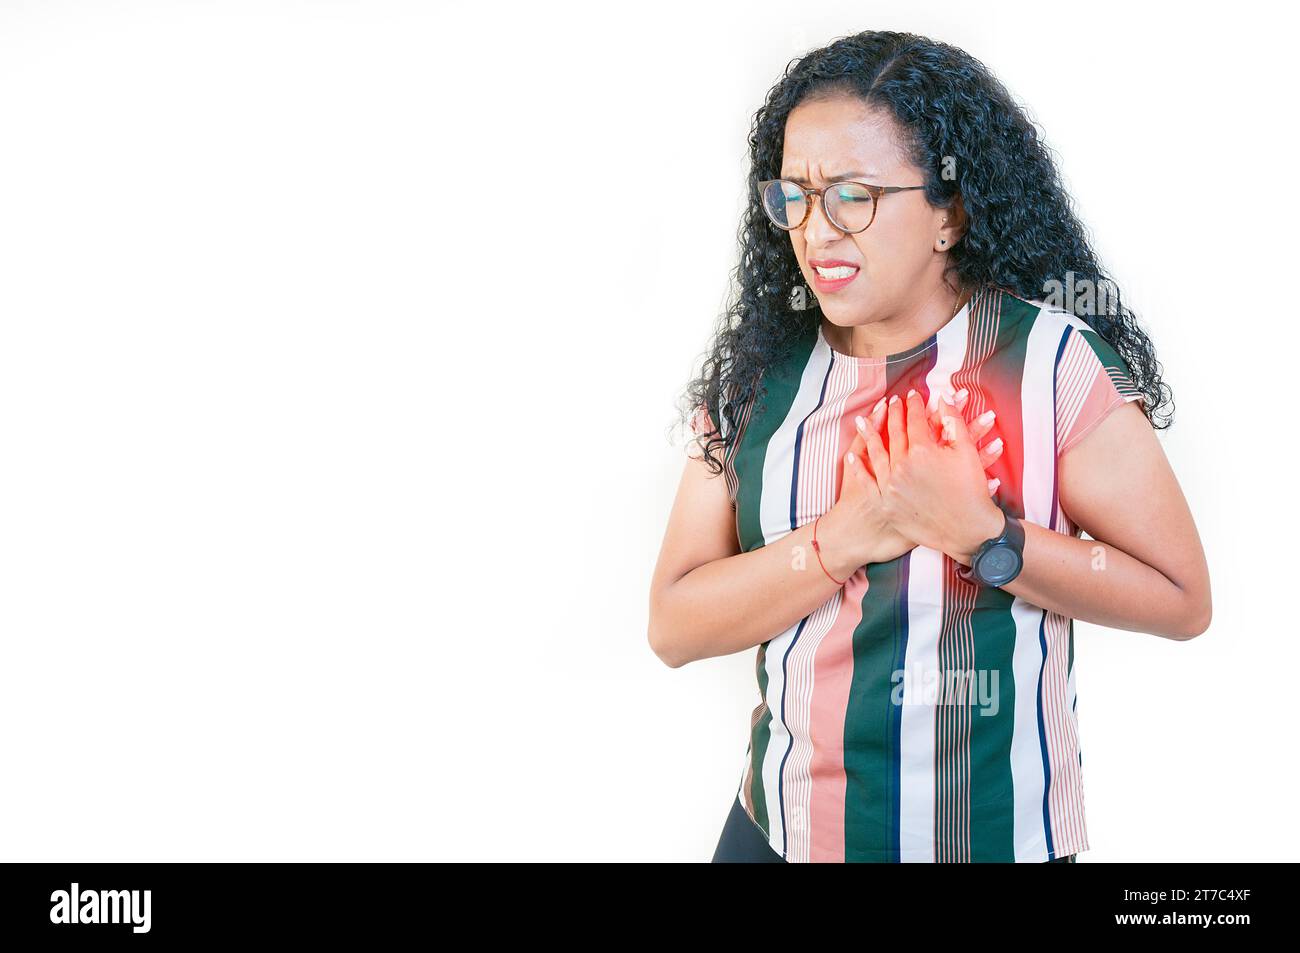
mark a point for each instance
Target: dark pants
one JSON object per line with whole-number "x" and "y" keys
{"x": 743, "y": 843}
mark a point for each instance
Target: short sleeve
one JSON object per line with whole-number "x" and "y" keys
{"x": 702, "y": 421}
{"x": 1091, "y": 381}
{"x": 706, "y": 434}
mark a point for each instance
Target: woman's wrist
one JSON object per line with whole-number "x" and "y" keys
{"x": 838, "y": 544}
{"x": 987, "y": 525}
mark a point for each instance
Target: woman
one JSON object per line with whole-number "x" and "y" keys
{"x": 911, "y": 591}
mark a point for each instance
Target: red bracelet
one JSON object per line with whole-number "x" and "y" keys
{"x": 818, "y": 550}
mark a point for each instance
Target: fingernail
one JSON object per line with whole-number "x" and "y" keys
{"x": 880, "y": 403}
{"x": 911, "y": 392}
{"x": 862, "y": 424}
{"x": 986, "y": 417}
{"x": 893, "y": 399}
{"x": 994, "y": 484}
{"x": 850, "y": 456}
{"x": 994, "y": 445}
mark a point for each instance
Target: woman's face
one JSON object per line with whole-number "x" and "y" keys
{"x": 899, "y": 258}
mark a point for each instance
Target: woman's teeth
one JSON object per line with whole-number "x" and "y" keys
{"x": 840, "y": 271}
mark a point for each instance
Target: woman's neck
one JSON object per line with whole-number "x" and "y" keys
{"x": 893, "y": 335}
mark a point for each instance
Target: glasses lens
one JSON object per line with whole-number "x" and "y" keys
{"x": 850, "y": 206}
{"x": 784, "y": 203}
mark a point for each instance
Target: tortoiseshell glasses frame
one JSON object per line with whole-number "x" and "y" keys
{"x": 875, "y": 191}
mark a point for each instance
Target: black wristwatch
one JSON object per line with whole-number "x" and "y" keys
{"x": 998, "y": 560}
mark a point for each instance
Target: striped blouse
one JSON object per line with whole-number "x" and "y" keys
{"x": 915, "y": 716}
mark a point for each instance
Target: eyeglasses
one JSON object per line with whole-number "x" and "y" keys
{"x": 850, "y": 206}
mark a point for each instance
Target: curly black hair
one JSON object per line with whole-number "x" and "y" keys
{"x": 1021, "y": 229}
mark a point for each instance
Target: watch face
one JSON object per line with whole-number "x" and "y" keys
{"x": 999, "y": 564}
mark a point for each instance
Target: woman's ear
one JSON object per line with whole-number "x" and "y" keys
{"x": 956, "y": 224}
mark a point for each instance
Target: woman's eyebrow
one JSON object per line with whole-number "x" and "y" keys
{"x": 834, "y": 178}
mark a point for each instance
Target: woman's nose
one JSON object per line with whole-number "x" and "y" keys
{"x": 819, "y": 228}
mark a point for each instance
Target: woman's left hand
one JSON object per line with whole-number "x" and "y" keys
{"x": 934, "y": 492}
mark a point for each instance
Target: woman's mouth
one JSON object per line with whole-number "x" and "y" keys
{"x": 831, "y": 276}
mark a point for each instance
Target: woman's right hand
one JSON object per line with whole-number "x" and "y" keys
{"x": 859, "y": 500}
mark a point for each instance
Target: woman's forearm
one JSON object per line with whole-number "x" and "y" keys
{"x": 1095, "y": 582}
{"x": 732, "y": 604}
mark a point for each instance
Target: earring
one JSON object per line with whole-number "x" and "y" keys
{"x": 943, "y": 241}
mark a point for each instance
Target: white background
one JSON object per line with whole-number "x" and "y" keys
{"x": 334, "y": 413}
